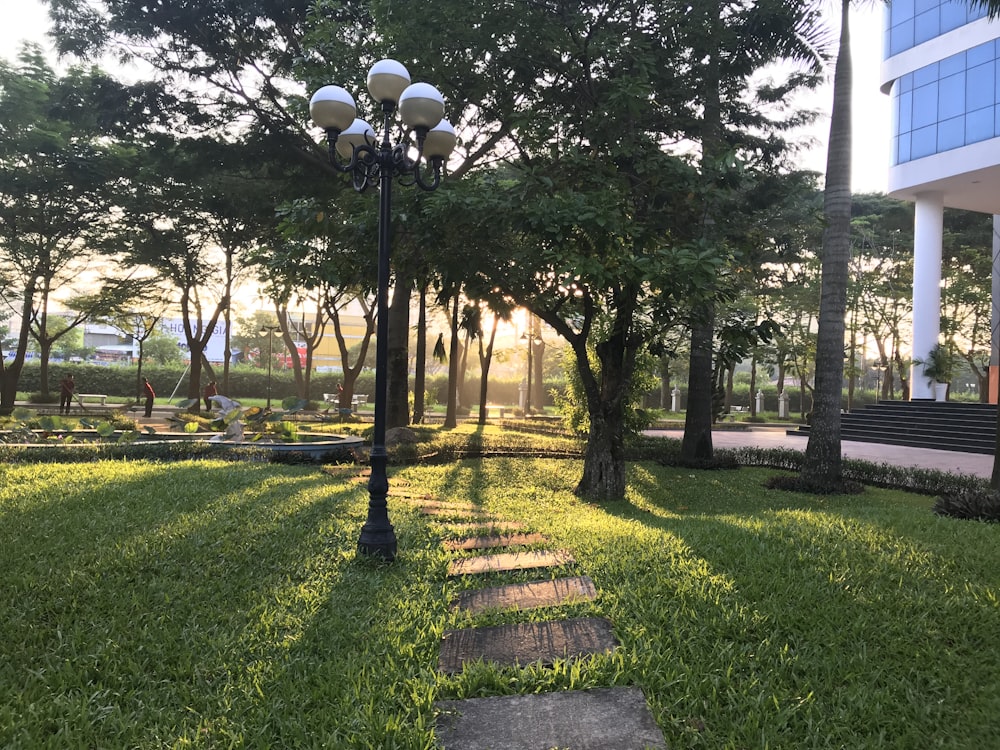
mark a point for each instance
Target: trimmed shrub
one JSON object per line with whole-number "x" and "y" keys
{"x": 969, "y": 503}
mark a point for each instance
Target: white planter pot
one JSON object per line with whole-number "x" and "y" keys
{"x": 940, "y": 391}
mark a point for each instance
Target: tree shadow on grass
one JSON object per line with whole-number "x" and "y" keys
{"x": 794, "y": 597}
{"x": 176, "y": 614}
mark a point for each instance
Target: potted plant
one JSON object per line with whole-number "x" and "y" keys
{"x": 939, "y": 369}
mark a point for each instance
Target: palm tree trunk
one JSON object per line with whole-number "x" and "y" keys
{"x": 822, "y": 467}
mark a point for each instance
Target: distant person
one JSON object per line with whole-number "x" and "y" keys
{"x": 210, "y": 390}
{"x": 67, "y": 386}
{"x": 147, "y": 388}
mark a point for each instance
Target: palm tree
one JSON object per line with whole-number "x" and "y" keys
{"x": 822, "y": 468}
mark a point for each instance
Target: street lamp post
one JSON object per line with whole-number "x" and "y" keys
{"x": 532, "y": 341}
{"x": 353, "y": 150}
{"x": 879, "y": 369}
{"x": 269, "y": 331}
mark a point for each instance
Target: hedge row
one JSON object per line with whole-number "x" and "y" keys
{"x": 119, "y": 382}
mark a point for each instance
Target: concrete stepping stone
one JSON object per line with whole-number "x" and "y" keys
{"x": 526, "y": 643}
{"x": 509, "y": 561}
{"x": 426, "y": 501}
{"x": 491, "y": 542}
{"x": 405, "y": 494}
{"x": 465, "y": 514}
{"x": 533, "y": 595}
{"x": 579, "y": 719}
{"x": 490, "y": 528}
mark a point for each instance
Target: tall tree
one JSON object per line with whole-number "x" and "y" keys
{"x": 63, "y": 172}
{"x": 822, "y": 466}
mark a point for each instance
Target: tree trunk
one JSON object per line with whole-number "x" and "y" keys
{"x": 604, "y": 462}
{"x": 485, "y": 359}
{"x": 451, "y": 413}
{"x": 397, "y": 412}
{"x": 538, "y": 373}
{"x": 665, "y": 395}
{"x": 730, "y": 372}
{"x": 44, "y": 352}
{"x": 822, "y": 467}
{"x": 420, "y": 369}
{"x": 696, "y": 444}
{"x": 753, "y": 384}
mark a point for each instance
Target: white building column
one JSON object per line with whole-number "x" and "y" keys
{"x": 928, "y": 230}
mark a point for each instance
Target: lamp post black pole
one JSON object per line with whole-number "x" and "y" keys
{"x": 270, "y": 356}
{"x": 527, "y": 399}
{"x": 422, "y": 108}
{"x": 378, "y": 539}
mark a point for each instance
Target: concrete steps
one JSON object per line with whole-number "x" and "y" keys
{"x": 941, "y": 425}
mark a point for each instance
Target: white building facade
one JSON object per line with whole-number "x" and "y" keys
{"x": 942, "y": 71}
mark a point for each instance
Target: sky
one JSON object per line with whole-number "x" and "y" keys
{"x": 27, "y": 20}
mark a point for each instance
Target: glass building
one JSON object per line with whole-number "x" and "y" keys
{"x": 941, "y": 68}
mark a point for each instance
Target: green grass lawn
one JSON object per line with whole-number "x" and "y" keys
{"x": 210, "y": 604}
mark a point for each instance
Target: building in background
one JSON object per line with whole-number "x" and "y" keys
{"x": 942, "y": 71}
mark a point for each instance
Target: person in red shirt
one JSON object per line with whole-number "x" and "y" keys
{"x": 66, "y": 388}
{"x": 210, "y": 390}
{"x": 150, "y": 395}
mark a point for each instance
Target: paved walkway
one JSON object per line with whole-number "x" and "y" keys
{"x": 975, "y": 464}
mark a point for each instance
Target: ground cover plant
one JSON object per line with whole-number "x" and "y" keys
{"x": 218, "y": 604}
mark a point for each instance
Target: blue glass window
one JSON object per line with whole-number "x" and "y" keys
{"x": 950, "y": 103}
{"x": 952, "y": 65}
{"x": 979, "y": 125}
{"x": 951, "y": 134}
{"x": 951, "y": 97}
{"x": 925, "y": 106}
{"x": 910, "y": 22}
{"x": 980, "y": 87}
{"x": 980, "y": 54}
{"x": 927, "y": 74}
{"x": 903, "y": 149}
{"x": 904, "y": 113}
{"x": 953, "y": 15}
{"x": 901, "y": 10}
{"x": 924, "y": 142}
{"x": 901, "y": 37}
{"x": 926, "y": 26}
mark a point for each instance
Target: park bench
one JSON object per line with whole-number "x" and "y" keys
{"x": 356, "y": 400}
{"x": 102, "y": 397}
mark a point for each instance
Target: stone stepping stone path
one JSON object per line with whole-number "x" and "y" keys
{"x": 405, "y": 494}
{"x": 425, "y": 501}
{"x": 464, "y": 513}
{"x": 526, "y": 643}
{"x": 491, "y": 528}
{"x": 492, "y": 542}
{"x": 583, "y": 719}
{"x": 596, "y": 719}
{"x": 509, "y": 561}
{"x": 533, "y": 595}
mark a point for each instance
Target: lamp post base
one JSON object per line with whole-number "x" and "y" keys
{"x": 379, "y": 544}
